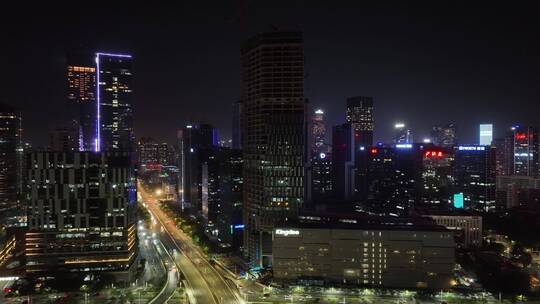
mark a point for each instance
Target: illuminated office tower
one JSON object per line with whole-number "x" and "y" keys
{"x": 444, "y": 135}
{"x": 318, "y": 132}
{"x": 81, "y": 76}
{"x": 114, "y": 113}
{"x": 10, "y": 154}
{"x": 360, "y": 116}
{"x": 474, "y": 176}
{"x": 402, "y": 134}
{"x": 273, "y": 138}
{"x": 486, "y": 134}
{"x": 525, "y": 151}
{"x": 195, "y": 142}
{"x": 504, "y": 155}
{"x": 81, "y": 213}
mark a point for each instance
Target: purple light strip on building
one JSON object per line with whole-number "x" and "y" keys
{"x": 97, "y": 140}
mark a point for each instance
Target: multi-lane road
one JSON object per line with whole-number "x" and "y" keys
{"x": 206, "y": 285}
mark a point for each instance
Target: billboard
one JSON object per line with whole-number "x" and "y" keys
{"x": 458, "y": 200}
{"x": 486, "y": 134}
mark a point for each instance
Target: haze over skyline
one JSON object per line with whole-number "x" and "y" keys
{"x": 422, "y": 65}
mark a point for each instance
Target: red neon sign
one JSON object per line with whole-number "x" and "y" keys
{"x": 433, "y": 154}
{"x": 521, "y": 136}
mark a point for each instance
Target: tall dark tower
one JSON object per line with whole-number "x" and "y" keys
{"x": 360, "y": 116}
{"x": 114, "y": 109}
{"x": 81, "y": 76}
{"x": 10, "y": 144}
{"x": 273, "y": 137}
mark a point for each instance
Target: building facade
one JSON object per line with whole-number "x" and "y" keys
{"x": 360, "y": 116}
{"x": 81, "y": 77}
{"x": 343, "y": 161}
{"x": 474, "y": 176}
{"x": 444, "y": 135}
{"x": 195, "y": 142}
{"x": 222, "y": 186}
{"x": 467, "y": 228}
{"x": 114, "y": 103}
{"x": 65, "y": 138}
{"x": 402, "y": 257}
{"x": 81, "y": 209}
{"x": 10, "y": 154}
{"x": 525, "y": 151}
{"x": 274, "y": 133}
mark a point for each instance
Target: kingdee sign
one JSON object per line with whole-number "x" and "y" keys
{"x": 287, "y": 232}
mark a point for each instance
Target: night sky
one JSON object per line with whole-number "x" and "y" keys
{"x": 422, "y": 64}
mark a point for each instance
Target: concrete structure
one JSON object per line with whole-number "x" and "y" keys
{"x": 379, "y": 256}
{"x": 65, "y": 138}
{"x": 114, "y": 98}
{"x": 467, "y": 227}
{"x": 10, "y": 162}
{"x": 360, "y": 115}
{"x": 474, "y": 175}
{"x": 514, "y": 191}
{"x": 274, "y": 135}
{"x": 444, "y": 135}
{"x": 81, "y": 213}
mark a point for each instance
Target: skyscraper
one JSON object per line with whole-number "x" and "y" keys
{"x": 195, "y": 144}
{"x": 81, "y": 208}
{"x": 10, "y": 144}
{"x": 343, "y": 161}
{"x": 360, "y": 116}
{"x": 65, "y": 138}
{"x": 525, "y": 151}
{"x": 402, "y": 134}
{"x": 81, "y": 76}
{"x": 237, "y": 125}
{"x": 318, "y": 132}
{"x": 504, "y": 155}
{"x": 114, "y": 103}
{"x": 474, "y": 176}
{"x": 485, "y": 136}
{"x": 273, "y": 137}
{"x": 444, "y": 135}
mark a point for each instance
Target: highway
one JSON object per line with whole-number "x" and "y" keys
{"x": 206, "y": 285}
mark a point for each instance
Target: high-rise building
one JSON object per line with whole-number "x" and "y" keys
{"x": 402, "y": 135}
{"x": 444, "y": 135}
{"x": 81, "y": 76}
{"x": 343, "y": 161}
{"x": 504, "y": 159}
{"x": 437, "y": 176}
{"x": 81, "y": 213}
{"x": 474, "y": 176}
{"x": 10, "y": 154}
{"x": 318, "y": 132}
{"x": 114, "y": 98}
{"x": 274, "y": 135}
{"x": 237, "y": 125}
{"x": 485, "y": 136}
{"x": 360, "y": 116}
{"x": 525, "y": 151}
{"x": 147, "y": 150}
{"x": 195, "y": 143}
{"x": 65, "y": 138}
{"x": 322, "y": 177}
{"x": 222, "y": 196}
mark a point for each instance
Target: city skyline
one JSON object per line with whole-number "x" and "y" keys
{"x": 270, "y": 152}
{"x": 445, "y": 66}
